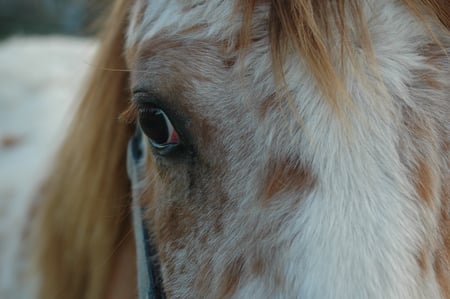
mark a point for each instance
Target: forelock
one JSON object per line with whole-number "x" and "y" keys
{"x": 216, "y": 18}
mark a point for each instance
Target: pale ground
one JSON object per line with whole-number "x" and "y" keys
{"x": 39, "y": 79}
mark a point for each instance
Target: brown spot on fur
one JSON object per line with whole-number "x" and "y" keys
{"x": 203, "y": 278}
{"x": 193, "y": 29}
{"x": 422, "y": 138}
{"x": 434, "y": 54}
{"x": 286, "y": 175}
{"x": 229, "y": 62}
{"x": 422, "y": 261}
{"x": 206, "y": 132}
{"x": 429, "y": 79}
{"x": 424, "y": 182}
{"x": 170, "y": 268}
{"x": 267, "y": 104}
{"x": 232, "y": 276}
{"x": 218, "y": 226}
{"x": 446, "y": 146}
{"x": 436, "y": 57}
{"x": 440, "y": 267}
{"x": 203, "y": 240}
{"x": 415, "y": 125}
{"x": 441, "y": 263}
{"x": 176, "y": 223}
{"x": 258, "y": 266}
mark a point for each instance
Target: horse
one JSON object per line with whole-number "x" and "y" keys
{"x": 293, "y": 149}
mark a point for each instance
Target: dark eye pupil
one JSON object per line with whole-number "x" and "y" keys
{"x": 154, "y": 124}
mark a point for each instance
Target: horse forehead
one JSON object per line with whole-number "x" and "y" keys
{"x": 149, "y": 18}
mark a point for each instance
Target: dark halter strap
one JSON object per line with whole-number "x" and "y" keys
{"x": 148, "y": 272}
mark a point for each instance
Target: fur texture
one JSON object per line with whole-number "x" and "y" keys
{"x": 328, "y": 180}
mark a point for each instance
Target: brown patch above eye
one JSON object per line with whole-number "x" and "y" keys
{"x": 286, "y": 175}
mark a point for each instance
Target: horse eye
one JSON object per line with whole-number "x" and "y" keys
{"x": 157, "y": 127}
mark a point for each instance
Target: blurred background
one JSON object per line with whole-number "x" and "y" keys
{"x": 46, "y": 51}
{"x": 74, "y": 17}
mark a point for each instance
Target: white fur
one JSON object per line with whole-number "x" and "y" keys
{"x": 359, "y": 232}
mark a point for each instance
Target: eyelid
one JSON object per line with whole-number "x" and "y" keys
{"x": 141, "y": 98}
{"x": 143, "y": 101}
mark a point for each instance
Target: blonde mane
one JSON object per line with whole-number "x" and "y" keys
{"x": 82, "y": 216}
{"x": 82, "y": 219}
